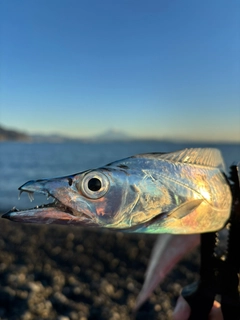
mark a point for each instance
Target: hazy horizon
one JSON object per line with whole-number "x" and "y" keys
{"x": 161, "y": 70}
{"x": 112, "y": 134}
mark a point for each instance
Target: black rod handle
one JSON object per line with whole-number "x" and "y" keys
{"x": 199, "y": 300}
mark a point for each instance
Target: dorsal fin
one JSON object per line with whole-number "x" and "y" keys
{"x": 208, "y": 157}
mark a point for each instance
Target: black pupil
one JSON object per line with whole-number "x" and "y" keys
{"x": 94, "y": 184}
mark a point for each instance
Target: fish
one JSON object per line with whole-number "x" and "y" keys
{"x": 181, "y": 192}
{"x": 168, "y": 250}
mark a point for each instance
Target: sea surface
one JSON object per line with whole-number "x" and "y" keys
{"x": 20, "y": 162}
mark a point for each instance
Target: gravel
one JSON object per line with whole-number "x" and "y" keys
{"x": 70, "y": 273}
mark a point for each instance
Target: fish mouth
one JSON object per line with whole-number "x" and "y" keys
{"x": 55, "y": 212}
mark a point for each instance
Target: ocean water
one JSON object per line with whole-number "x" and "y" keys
{"x": 20, "y": 162}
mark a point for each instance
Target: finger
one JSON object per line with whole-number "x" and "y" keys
{"x": 182, "y": 310}
{"x": 216, "y": 313}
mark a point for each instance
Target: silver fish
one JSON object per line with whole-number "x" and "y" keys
{"x": 182, "y": 192}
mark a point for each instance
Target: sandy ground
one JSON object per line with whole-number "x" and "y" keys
{"x": 53, "y": 272}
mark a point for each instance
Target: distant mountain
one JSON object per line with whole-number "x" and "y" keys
{"x": 112, "y": 135}
{"x": 13, "y": 135}
{"x": 107, "y": 136}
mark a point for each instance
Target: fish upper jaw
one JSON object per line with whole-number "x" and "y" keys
{"x": 61, "y": 211}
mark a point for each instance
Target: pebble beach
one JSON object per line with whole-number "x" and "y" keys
{"x": 70, "y": 273}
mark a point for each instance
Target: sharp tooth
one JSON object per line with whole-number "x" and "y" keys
{"x": 30, "y": 196}
{"x": 19, "y": 195}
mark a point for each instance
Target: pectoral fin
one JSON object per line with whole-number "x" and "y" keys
{"x": 185, "y": 208}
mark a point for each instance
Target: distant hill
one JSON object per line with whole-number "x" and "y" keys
{"x": 112, "y": 135}
{"x": 13, "y": 135}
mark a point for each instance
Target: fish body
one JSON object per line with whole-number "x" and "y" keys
{"x": 182, "y": 192}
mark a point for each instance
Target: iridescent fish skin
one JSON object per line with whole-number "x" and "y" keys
{"x": 182, "y": 192}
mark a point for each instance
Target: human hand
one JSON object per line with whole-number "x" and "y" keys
{"x": 182, "y": 310}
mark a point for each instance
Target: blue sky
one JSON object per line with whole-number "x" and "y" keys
{"x": 163, "y": 68}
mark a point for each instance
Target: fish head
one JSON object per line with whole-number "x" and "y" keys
{"x": 121, "y": 195}
{"x": 92, "y": 198}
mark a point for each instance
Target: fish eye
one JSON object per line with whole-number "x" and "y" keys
{"x": 94, "y": 185}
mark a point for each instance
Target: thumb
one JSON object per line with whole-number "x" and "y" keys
{"x": 182, "y": 310}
